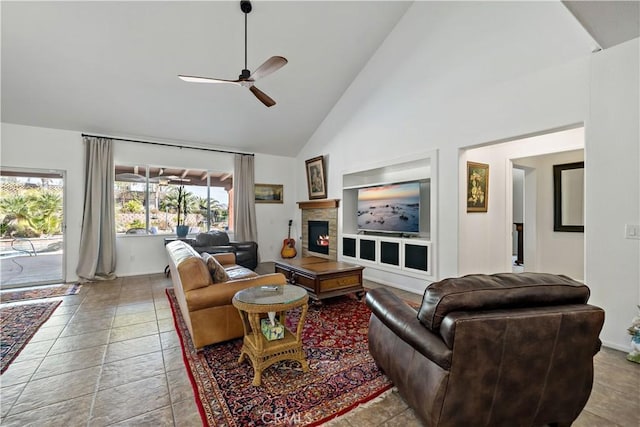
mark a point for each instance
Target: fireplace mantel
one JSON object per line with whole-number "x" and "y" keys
{"x": 319, "y": 204}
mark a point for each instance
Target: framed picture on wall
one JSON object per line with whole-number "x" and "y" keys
{"x": 268, "y": 193}
{"x": 316, "y": 180}
{"x": 477, "y": 187}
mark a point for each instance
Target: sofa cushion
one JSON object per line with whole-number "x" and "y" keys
{"x": 217, "y": 271}
{"x": 239, "y": 272}
{"x": 498, "y": 291}
{"x": 212, "y": 238}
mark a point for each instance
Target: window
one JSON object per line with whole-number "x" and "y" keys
{"x": 146, "y": 199}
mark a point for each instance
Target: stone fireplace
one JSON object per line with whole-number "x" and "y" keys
{"x": 320, "y": 228}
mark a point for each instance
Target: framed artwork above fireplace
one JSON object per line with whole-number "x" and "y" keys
{"x": 316, "y": 179}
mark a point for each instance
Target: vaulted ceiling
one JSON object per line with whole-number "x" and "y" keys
{"x": 110, "y": 68}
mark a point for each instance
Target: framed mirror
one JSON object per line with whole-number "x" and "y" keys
{"x": 568, "y": 197}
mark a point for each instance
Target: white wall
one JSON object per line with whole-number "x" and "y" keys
{"x": 32, "y": 147}
{"x": 518, "y": 195}
{"x": 613, "y": 188}
{"x": 457, "y": 75}
{"x": 273, "y": 218}
{"x": 556, "y": 252}
{"x": 437, "y": 86}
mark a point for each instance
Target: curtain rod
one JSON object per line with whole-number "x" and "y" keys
{"x": 164, "y": 144}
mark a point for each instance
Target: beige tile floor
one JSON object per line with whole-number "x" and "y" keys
{"x": 110, "y": 356}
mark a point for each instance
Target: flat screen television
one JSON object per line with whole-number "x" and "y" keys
{"x": 391, "y": 208}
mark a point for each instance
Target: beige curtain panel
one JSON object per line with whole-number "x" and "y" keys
{"x": 244, "y": 204}
{"x": 98, "y": 235}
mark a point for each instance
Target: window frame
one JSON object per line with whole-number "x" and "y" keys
{"x": 148, "y": 181}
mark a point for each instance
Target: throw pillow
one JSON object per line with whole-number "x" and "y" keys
{"x": 218, "y": 273}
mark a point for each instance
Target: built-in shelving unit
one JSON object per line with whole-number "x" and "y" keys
{"x": 413, "y": 255}
{"x": 407, "y": 256}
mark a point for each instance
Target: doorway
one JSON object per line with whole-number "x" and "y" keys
{"x": 486, "y": 239}
{"x": 545, "y": 248}
{"x": 31, "y": 227}
{"x": 517, "y": 252}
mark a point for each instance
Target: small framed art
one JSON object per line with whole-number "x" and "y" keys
{"x": 268, "y": 193}
{"x": 477, "y": 187}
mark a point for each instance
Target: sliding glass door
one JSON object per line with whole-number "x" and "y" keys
{"x": 31, "y": 227}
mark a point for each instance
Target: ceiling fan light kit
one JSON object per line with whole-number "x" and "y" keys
{"x": 246, "y": 77}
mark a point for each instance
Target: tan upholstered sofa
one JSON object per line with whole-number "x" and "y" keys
{"x": 205, "y": 305}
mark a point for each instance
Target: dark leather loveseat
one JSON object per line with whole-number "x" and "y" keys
{"x": 490, "y": 350}
{"x": 216, "y": 241}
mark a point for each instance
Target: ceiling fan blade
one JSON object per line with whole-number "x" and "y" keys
{"x": 263, "y": 97}
{"x": 196, "y": 79}
{"x": 269, "y": 66}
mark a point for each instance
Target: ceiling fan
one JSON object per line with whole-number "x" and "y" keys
{"x": 246, "y": 77}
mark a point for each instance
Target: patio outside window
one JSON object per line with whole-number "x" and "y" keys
{"x": 146, "y": 199}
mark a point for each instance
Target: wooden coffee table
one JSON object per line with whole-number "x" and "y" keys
{"x": 321, "y": 277}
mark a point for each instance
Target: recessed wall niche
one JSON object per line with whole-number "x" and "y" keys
{"x": 413, "y": 254}
{"x": 414, "y": 170}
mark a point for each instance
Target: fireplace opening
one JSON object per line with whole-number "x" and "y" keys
{"x": 319, "y": 237}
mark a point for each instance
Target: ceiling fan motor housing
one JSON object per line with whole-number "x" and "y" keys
{"x": 245, "y": 6}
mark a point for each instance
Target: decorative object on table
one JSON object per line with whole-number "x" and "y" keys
{"x": 272, "y": 330}
{"x": 316, "y": 179}
{"x": 477, "y": 187}
{"x": 247, "y": 78}
{"x": 18, "y": 324}
{"x": 288, "y": 245}
{"x": 268, "y": 193}
{"x": 634, "y": 331}
{"x": 39, "y": 292}
{"x": 181, "y": 229}
{"x": 342, "y": 373}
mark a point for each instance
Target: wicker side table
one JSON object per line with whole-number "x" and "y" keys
{"x": 255, "y": 303}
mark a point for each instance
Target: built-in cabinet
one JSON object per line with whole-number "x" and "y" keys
{"x": 414, "y": 255}
{"x": 407, "y": 256}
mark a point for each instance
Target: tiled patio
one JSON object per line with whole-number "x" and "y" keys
{"x": 25, "y": 269}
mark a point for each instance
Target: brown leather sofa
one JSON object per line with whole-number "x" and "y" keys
{"x": 490, "y": 350}
{"x": 205, "y": 305}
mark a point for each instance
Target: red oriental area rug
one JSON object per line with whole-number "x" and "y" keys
{"x": 342, "y": 373}
{"x": 18, "y": 323}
